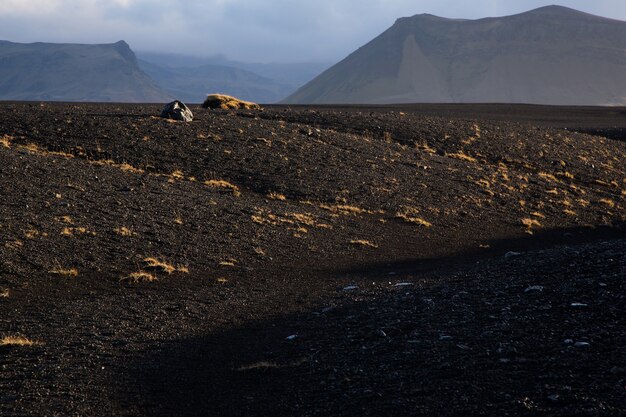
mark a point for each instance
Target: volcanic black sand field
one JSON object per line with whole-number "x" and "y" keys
{"x": 417, "y": 260}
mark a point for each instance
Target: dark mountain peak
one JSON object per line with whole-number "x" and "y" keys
{"x": 124, "y": 50}
{"x": 550, "y": 55}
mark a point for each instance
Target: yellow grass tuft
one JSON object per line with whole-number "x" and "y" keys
{"x": 344, "y": 209}
{"x": 157, "y": 264}
{"x": 411, "y": 215}
{"x": 222, "y": 101}
{"x": 607, "y": 202}
{"x": 5, "y": 141}
{"x": 17, "y": 340}
{"x": 69, "y": 273}
{"x": 124, "y": 231}
{"x": 228, "y": 262}
{"x": 162, "y": 266}
{"x": 529, "y": 223}
{"x": 223, "y": 184}
{"x": 5, "y": 293}
{"x": 141, "y": 276}
{"x": 461, "y": 156}
{"x": 277, "y": 196}
{"x": 569, "y": 212}
{"x": 365, "y": 243}
{"x": 547, "y": 176}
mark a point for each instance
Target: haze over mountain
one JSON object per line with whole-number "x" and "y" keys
{"x": 74, "y": 72}
{"x": 551, "y": 55}
{"x": 190, "y": 78}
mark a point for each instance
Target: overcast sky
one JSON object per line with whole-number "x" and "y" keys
{"x": 247, "y": 30}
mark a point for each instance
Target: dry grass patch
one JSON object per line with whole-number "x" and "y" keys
{"x": 224, "y": 102}
{"x": 5, "y": 141}
{"x": 5, "y": 293}
{"x": 607, "y": 202}
{"x": 529, "y": 224}
{"x": 162, "y": 266}
{"x": 462, "y": 156}
{"x": 411, "y": 215}
{"x": 17, "y": 340}
{"x": 228, "y": 262}
{"x": 124, "y": 231}
{"x": 345, "y": 209}
{"x": 72, "y": 231}
{"x": 64, "y": 272}
{"x": 570, "y": 212}
{"x": 225, "y": 185}
{"x": 277, "y": 196}
{"x": 547, "y": 176}
{"x": 140, "y": 276}
{"x": 364, "y": 243}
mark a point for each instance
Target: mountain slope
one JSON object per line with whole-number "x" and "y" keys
{"x": 191, "y": 77}
{"x": 551, "y": 55}
{"x": 74, "y": 72}
{"x": 192, "y": 84}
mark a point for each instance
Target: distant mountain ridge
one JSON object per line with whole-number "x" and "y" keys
{"x": 74, "y": 72}
{"x": 551, "y": 55}
{"x": 190, "y": 78}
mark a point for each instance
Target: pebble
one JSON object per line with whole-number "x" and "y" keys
{"x": 446, "y": 338}
{"x": 511, "y": 254}
{"x": 292, "y": 337}
{"x": 534, "y": 288}
{"x": 568, "y": 341}
{"x": 578, "y": 305}
{"x": 351, "y": 288}
{"x": 403, "y": 284}
{"x": 582, "y": 344}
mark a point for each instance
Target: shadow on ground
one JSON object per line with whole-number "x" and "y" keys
{"x": 537, "y": 333}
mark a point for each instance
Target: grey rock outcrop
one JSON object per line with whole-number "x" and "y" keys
{"x": 177, "y": 110}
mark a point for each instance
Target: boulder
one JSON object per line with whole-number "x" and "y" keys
{"x": 221, "y": 101}
{"x": 177, "y": 110}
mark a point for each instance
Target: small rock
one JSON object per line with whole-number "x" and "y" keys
{"x": 177, "y": 110}
{"x": 445, "y": 338}
{"x": 351, "y": 288}
{"x": 582, "y": 344}
{"x": 568, "y": 341}
{"x": 403, "y": 284}
{"x": 534, "y": 288}
{"x": 511, "y": 254}
{"x": 578, "y": 305}
{"x": 382, "y": 333}
{"x": 553, "y": 397}
{"x": 292, "y": 337}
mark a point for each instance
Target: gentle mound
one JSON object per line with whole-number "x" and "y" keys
{"x": 221, "y": 101}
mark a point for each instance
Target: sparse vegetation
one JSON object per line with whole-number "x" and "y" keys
{"x": 225, "y": 185}
{"x": 17, "y": 340}
{"x": 140, "y": 276}
{"x": 65, "y": 272}
{"x": 124, "y": 231}
{"x": 365, "y": 243}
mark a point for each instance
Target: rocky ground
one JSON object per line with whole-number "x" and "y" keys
{"x": 442, "y": 260}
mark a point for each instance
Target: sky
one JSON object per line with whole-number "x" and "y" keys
{"x": 246, "y": 30}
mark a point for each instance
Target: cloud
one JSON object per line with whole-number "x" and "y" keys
{"x": 260, "y": 30}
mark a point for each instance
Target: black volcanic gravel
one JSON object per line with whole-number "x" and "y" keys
{"x": 311, "y": 261}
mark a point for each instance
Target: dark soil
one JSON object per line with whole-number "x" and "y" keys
{"x": 416, "y": 260}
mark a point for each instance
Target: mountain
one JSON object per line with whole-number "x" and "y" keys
{"x": 74, "y": 72}
{"x": 192, "y": 84}
{"x": 551, "y": 55}
{"x": 190, "y": 78}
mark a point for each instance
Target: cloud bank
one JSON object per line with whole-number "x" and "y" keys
{"x": 250, "y": 30}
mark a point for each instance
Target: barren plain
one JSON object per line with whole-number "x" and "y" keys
{"x": 446, "y": 260}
